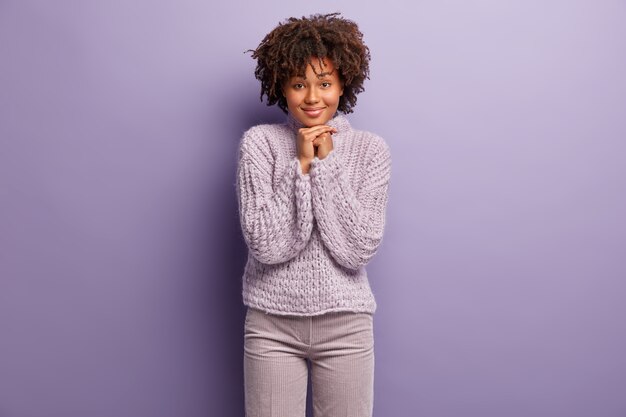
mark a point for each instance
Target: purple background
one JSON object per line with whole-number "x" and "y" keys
{"x": 501, "y": 278}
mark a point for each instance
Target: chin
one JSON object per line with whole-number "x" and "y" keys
{"x": 316, "y": 121}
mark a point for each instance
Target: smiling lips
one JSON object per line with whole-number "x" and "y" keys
{"x": 313, "y": 111}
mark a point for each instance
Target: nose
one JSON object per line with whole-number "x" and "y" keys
{"x": 312, "y": 96}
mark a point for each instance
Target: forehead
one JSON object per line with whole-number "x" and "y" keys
{"x": 315, "y": 69}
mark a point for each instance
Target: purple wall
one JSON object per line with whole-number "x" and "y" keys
{"x": 501, "y": 280}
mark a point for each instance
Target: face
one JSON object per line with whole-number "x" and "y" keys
{"x": 314, "y": 98}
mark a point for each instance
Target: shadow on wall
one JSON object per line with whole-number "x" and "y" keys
{"x": 225, "y": 243}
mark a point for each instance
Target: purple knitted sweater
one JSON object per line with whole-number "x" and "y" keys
{"x": 310, "y": 236}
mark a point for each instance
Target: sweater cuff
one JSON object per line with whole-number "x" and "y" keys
{"x": 302, "y": 187}
{"x": 324, "y": 169}
{"x": 297, "y": 167}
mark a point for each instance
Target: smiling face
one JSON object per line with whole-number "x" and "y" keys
{"x": 314, "y": 98}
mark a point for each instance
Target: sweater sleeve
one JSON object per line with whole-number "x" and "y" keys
{"x": 276, "y": 221}
{"x": 351, "y": 222}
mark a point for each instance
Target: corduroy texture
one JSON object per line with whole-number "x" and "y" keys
{"x": 340, "y": 348}
{"x": 310, "y": 235}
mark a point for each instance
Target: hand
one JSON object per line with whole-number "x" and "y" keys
{"x": 309, "y": 141}
{"x": 323, "y": 145}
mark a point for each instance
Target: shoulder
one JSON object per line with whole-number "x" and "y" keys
{"x": 373, "y": 140}
{"x": 262, "y": 137}
{"x": 374, "y": 146}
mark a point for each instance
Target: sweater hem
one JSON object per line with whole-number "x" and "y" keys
{"x": 312, "y": 314}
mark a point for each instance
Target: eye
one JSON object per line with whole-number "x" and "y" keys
{"x": 298, "y": 86}
{"x": 325, "y": 84}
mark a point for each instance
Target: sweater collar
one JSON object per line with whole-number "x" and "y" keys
{"x": 339, "y": 122}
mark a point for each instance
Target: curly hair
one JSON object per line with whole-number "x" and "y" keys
{"x": 287, "y": 50}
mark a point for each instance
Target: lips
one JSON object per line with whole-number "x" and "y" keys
{"x": 313, "y": 112}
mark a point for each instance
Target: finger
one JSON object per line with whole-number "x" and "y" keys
{"x": 317, "y": 130}
{"x": 323, "y": 141}
{"x": 326, "y": 136}
{"x": 316, "y": 127}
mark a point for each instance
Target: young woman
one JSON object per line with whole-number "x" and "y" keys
{"x": 312, "y": 197}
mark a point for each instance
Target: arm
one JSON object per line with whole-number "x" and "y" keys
{"x": 276, "y": 222}
{"x": 351, "y": 222}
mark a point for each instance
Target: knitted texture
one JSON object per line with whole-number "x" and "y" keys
{"x": 310, "y": 235}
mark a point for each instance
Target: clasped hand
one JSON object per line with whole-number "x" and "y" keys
{"x": 313, "y": 141}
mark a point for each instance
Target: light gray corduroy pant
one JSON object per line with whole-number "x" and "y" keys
{"x": 340, "y": 347}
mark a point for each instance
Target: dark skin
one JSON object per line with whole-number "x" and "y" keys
{"x": 313, "y": 100}
{"x": 313, "y": 141}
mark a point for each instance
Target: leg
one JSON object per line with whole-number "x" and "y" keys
{"x": 342, "y": 369}
{"x": 275, "y": 372}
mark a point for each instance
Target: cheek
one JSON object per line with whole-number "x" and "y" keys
{"x": 333, "y": 97}
{"x": 291, "y": 101}
{"x": 292, "y": 97}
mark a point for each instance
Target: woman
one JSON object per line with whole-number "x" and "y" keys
{"x": 312, "y": 197}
